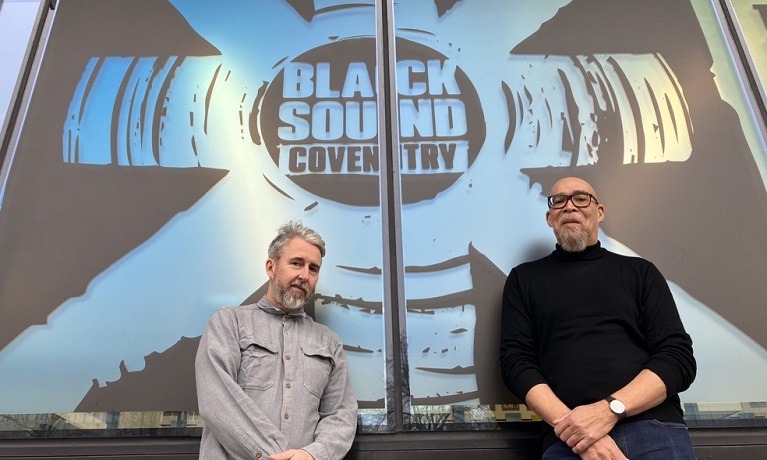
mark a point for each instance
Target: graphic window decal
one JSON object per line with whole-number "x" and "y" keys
{"x": 584, "y": 89}
{"x": 165, "y": 141}
{"x": 147, "y": 195}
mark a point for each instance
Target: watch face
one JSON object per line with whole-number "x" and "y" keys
{"x": 617, "y": 406}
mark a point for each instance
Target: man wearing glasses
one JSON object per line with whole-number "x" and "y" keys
{"x": 593, "y": 343}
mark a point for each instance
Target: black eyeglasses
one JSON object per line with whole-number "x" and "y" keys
{"x": 580, "y": 200}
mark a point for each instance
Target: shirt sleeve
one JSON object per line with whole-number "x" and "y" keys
{"x": 669, "y": 345}
{"x": 231, "y": 415}
{"x": 335, "y": 431}
{"x": 519, "y": 363}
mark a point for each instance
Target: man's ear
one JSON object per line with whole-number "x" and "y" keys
{"x": 601, "y": 212}
{"x": 270, "y": 265}
{"x": 549, "y": 219}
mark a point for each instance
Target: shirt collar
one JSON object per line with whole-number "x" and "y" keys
{"x": 269, "y": 307}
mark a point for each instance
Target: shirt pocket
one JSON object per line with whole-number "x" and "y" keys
{"x": 258, "y": 364}
{"x": 318, "y": 363}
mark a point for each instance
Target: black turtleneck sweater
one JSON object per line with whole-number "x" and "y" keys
{"x": 587, "y": 323}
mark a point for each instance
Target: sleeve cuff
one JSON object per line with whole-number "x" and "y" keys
{"x": 667, "y": 374}
{"x": 317, "y": 451}
{"x": 525, "y": 381}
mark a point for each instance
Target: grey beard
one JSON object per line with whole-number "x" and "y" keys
{"x": 291, "y": 301}
{"x": 572, "y": 241}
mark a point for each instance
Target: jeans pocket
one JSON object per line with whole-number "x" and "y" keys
{"x": 669, "y": 424}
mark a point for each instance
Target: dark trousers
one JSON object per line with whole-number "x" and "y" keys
{"x": 642, "y": 440}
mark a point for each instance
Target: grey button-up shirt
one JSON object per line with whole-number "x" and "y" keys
{"x": 268, "y": 382}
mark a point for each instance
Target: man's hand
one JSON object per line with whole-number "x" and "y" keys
{"x": 603, "y": 449}
{"x": 292, "y": 454}
{"x": 585, "y": 425}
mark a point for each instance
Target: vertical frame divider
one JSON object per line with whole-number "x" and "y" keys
{"x": 397, "y": 382}
{"x": 753, "y": 87}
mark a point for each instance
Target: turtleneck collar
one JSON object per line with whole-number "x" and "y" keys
{"x": 595, "y": 251}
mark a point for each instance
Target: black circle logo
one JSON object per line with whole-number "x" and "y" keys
{"x": 319, "y": 121}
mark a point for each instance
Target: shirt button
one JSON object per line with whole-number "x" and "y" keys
{"x": 287, "y": 357}
{"x": 286, "y": 416}
{"x": 287, "y": 385}
{"x": 258, "y": 454}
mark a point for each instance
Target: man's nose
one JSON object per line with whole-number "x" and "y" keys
{"x": 303, "y": 274}
{"x": 569, "y": 205}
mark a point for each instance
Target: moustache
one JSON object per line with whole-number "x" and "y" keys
{"x": 303, "y": 285}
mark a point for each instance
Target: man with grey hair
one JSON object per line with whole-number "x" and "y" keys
{"x": 593, "y": 343}
{"x": 271, "y": 382}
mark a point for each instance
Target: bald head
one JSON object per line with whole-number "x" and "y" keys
{"x": 572, "y": 183}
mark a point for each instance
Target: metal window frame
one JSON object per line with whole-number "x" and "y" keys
{"x": 11, "y": 128}
{"x": 745, "y": 68}
{"x": 395, "y": 336}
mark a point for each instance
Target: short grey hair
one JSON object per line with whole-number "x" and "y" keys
{"x": 294, "y": 229}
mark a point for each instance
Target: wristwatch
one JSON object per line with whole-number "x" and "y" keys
{"x": 616, "y": 406}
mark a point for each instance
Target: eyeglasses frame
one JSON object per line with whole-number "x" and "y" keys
{"x": 570, "y": 199}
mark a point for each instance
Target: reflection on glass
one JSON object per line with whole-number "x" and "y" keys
{"x": 50, "y": 424}
{"x": 17, "y": 19}
{"x": 432, "y": 417}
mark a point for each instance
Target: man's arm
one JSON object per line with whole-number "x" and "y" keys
{"x": 521, "y": 372}
{"x": 586, "y": 424}
{"x": 292, "y": 454}
{"x": 232, "y": 416}
{"x": 669, "y": 345}
{"x": 338, "y": 413}
{"x": 520, "y": 369}
{"x": 670, "y": 369}
{"x": 542, "y": 400}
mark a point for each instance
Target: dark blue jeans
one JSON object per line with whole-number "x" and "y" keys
{"x": 642, "y": 440}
